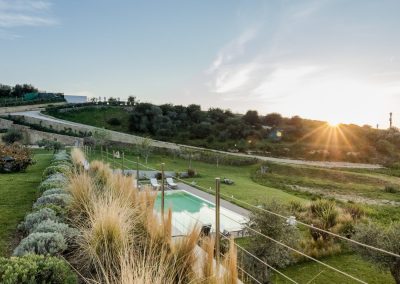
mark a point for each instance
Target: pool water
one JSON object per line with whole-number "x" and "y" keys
{"x": 189, "y": 210}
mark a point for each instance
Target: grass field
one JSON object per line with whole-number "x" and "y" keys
{"x": 17, "y": 194}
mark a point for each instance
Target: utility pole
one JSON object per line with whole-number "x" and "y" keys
{"x": 162, "y": 188}
{"x": 217, "y": 223}
{"x": 391, "y": 120}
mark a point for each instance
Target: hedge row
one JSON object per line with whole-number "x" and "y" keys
{"x": 47, "y": 236}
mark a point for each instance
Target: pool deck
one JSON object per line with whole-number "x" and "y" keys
{"x": 211, "y": 198}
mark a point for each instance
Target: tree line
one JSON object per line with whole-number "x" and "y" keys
{"x": 19, "y": 90}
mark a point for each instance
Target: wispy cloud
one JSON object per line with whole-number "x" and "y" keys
{"x": 25, "y": 13}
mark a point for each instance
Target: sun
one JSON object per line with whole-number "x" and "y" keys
{"x": 333, "y": 123}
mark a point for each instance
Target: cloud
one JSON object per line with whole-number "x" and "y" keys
{"x": 25, "y": 13}
{"x": 232, "y": 50}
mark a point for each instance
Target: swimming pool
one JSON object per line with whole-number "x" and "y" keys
{"x": 189, "y": 210}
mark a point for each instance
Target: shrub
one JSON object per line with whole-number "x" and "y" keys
{"x": 384, "y": 238}
{"x": 191, "y": 173}
{"x": 61, "y": 156}
{"x": 61, "y": 200}
{"x": 60, "y": 211}
{"x": 41, "y": 243}
{"x": 355, "y": 210}
{"x": 15, "y": 158}
{"x": 276, "y": 228}
{"x": 54, "y": 191}
{"x": 36, "y": 269}
{"x": 12, "y": 136}
{"x": 33, "y": 219}
{"x": 296, "y": 206}
{"x": 50, "y": 145}
{"x": 50, "y": 184}
{"x": 326, "y": 211}
{"x": 50, "y": 226}
{"x": 63, "y": 169}
{"x": 391, "y": 189}
{"x": 114, "y": 121}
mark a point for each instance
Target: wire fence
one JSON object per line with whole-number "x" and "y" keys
{"x": 124, "y": 164}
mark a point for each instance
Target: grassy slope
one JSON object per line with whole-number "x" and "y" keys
{"x": 98, "y": 118}
{"x": 17, "y": 193}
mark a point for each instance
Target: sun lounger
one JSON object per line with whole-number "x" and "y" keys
{"x": 154, "y": 183}
{"x": 171, "y": 183}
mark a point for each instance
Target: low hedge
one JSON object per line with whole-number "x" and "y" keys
{"x": 36, "y": 269}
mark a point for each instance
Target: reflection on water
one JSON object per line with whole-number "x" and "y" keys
{"x": 189, "y": 211}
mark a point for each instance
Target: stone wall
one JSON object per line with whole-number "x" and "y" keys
{"x": 5, "y": 110}
{"x": 60, "y": 125}
{"x": 32, "y": 136}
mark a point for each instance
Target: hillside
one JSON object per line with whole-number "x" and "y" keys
{"x": 270, "y": 135}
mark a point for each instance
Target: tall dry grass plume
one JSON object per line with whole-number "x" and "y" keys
{"x": 78, "y": 157}
{"x": 123, "y": 240}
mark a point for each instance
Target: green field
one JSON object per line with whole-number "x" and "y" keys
{"x": 18, "y": 191}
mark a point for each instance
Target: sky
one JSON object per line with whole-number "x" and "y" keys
{"x": 332, "y": 60}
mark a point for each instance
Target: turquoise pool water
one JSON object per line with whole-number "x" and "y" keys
{"x": 189, "y": 210}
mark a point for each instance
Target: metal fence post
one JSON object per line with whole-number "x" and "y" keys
{"x": 137, "y": 170}
{"x": 217, "y": 224}
{"x": 162, "y": 188}
{"x": 101, "y": 149}
{"x": 123, "y": 158}
{"x": 107, "y": 155}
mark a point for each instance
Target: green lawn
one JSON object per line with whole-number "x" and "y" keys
{"x": 17, "y": 194}
{"x": 244, "y": 188}
{"x": 311, "y": 272}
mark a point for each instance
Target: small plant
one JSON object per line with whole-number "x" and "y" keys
{"x": 296, "y": 206}
{"x": 55, "y": 146}
{"x": 114, "y": 121}
{"x": 12, "y": 135}
{"x": 54, "y": 191}
{"x": 191, "y": 173}
{"x": 36, "y": 217}
{"x": 61, "y": 200}
{"x": 36, "y": 269}
{"x": 50, "y": 226}
{"x": 41, "y": 243}
{"x": 355, "y": 211}
{"x": 391, "y": 189}
{"x": 62, "y": 169}
{"x": 60, "y": 211}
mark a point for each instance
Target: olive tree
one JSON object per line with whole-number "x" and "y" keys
{"x": 384, "y": 238}
{"x": 267, "y": 250}
{"x": 145, "y": 148}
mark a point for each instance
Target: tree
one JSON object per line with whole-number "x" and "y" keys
{"x": 50, "y": 145}
{"x": 101, "y": 136}
{"x": 12, "y": 135}
{"x": 145, "y": 148}
{"x": 131, "y": 100}
{"x": 251, "y": 117}
{"x": 272, "y": 119}
{"x": 5, "y": 91}
{"x": 384, "y": 238}
{"x": 265, "y": 249}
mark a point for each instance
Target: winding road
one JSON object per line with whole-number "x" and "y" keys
{"x": 37, "y": 114}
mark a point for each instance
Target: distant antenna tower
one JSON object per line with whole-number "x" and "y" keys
{"x": 377, "y": 126}
{"x": 390, "y": 120}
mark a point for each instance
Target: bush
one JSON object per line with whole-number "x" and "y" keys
{"x": 61, "y": 156}
{"x": 60, "y": 211}
{"x": 114, "y": 121}
{"x": 36, "y": 269}
{"x": 12, "y": 136}
{"x": 50, "y": 145}
{"x": 50, "y": 184}
{"x": 391, "y": 189}
{"x": 54, "y": 191}
{"x": 355, "y": 210}
{"x": 34, "y": 218}
{"x": 191, "y": 173}
{"x": 61, "y": 200}
{"x": 62, "y": 169}
{"x": 267, "y": 250}
{"x": 41, "y": 243}
{"x": 50, "y": 226}
{"x": 15, "y": 158}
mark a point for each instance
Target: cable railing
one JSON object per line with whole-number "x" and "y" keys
{"x": 232, "y": 198}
